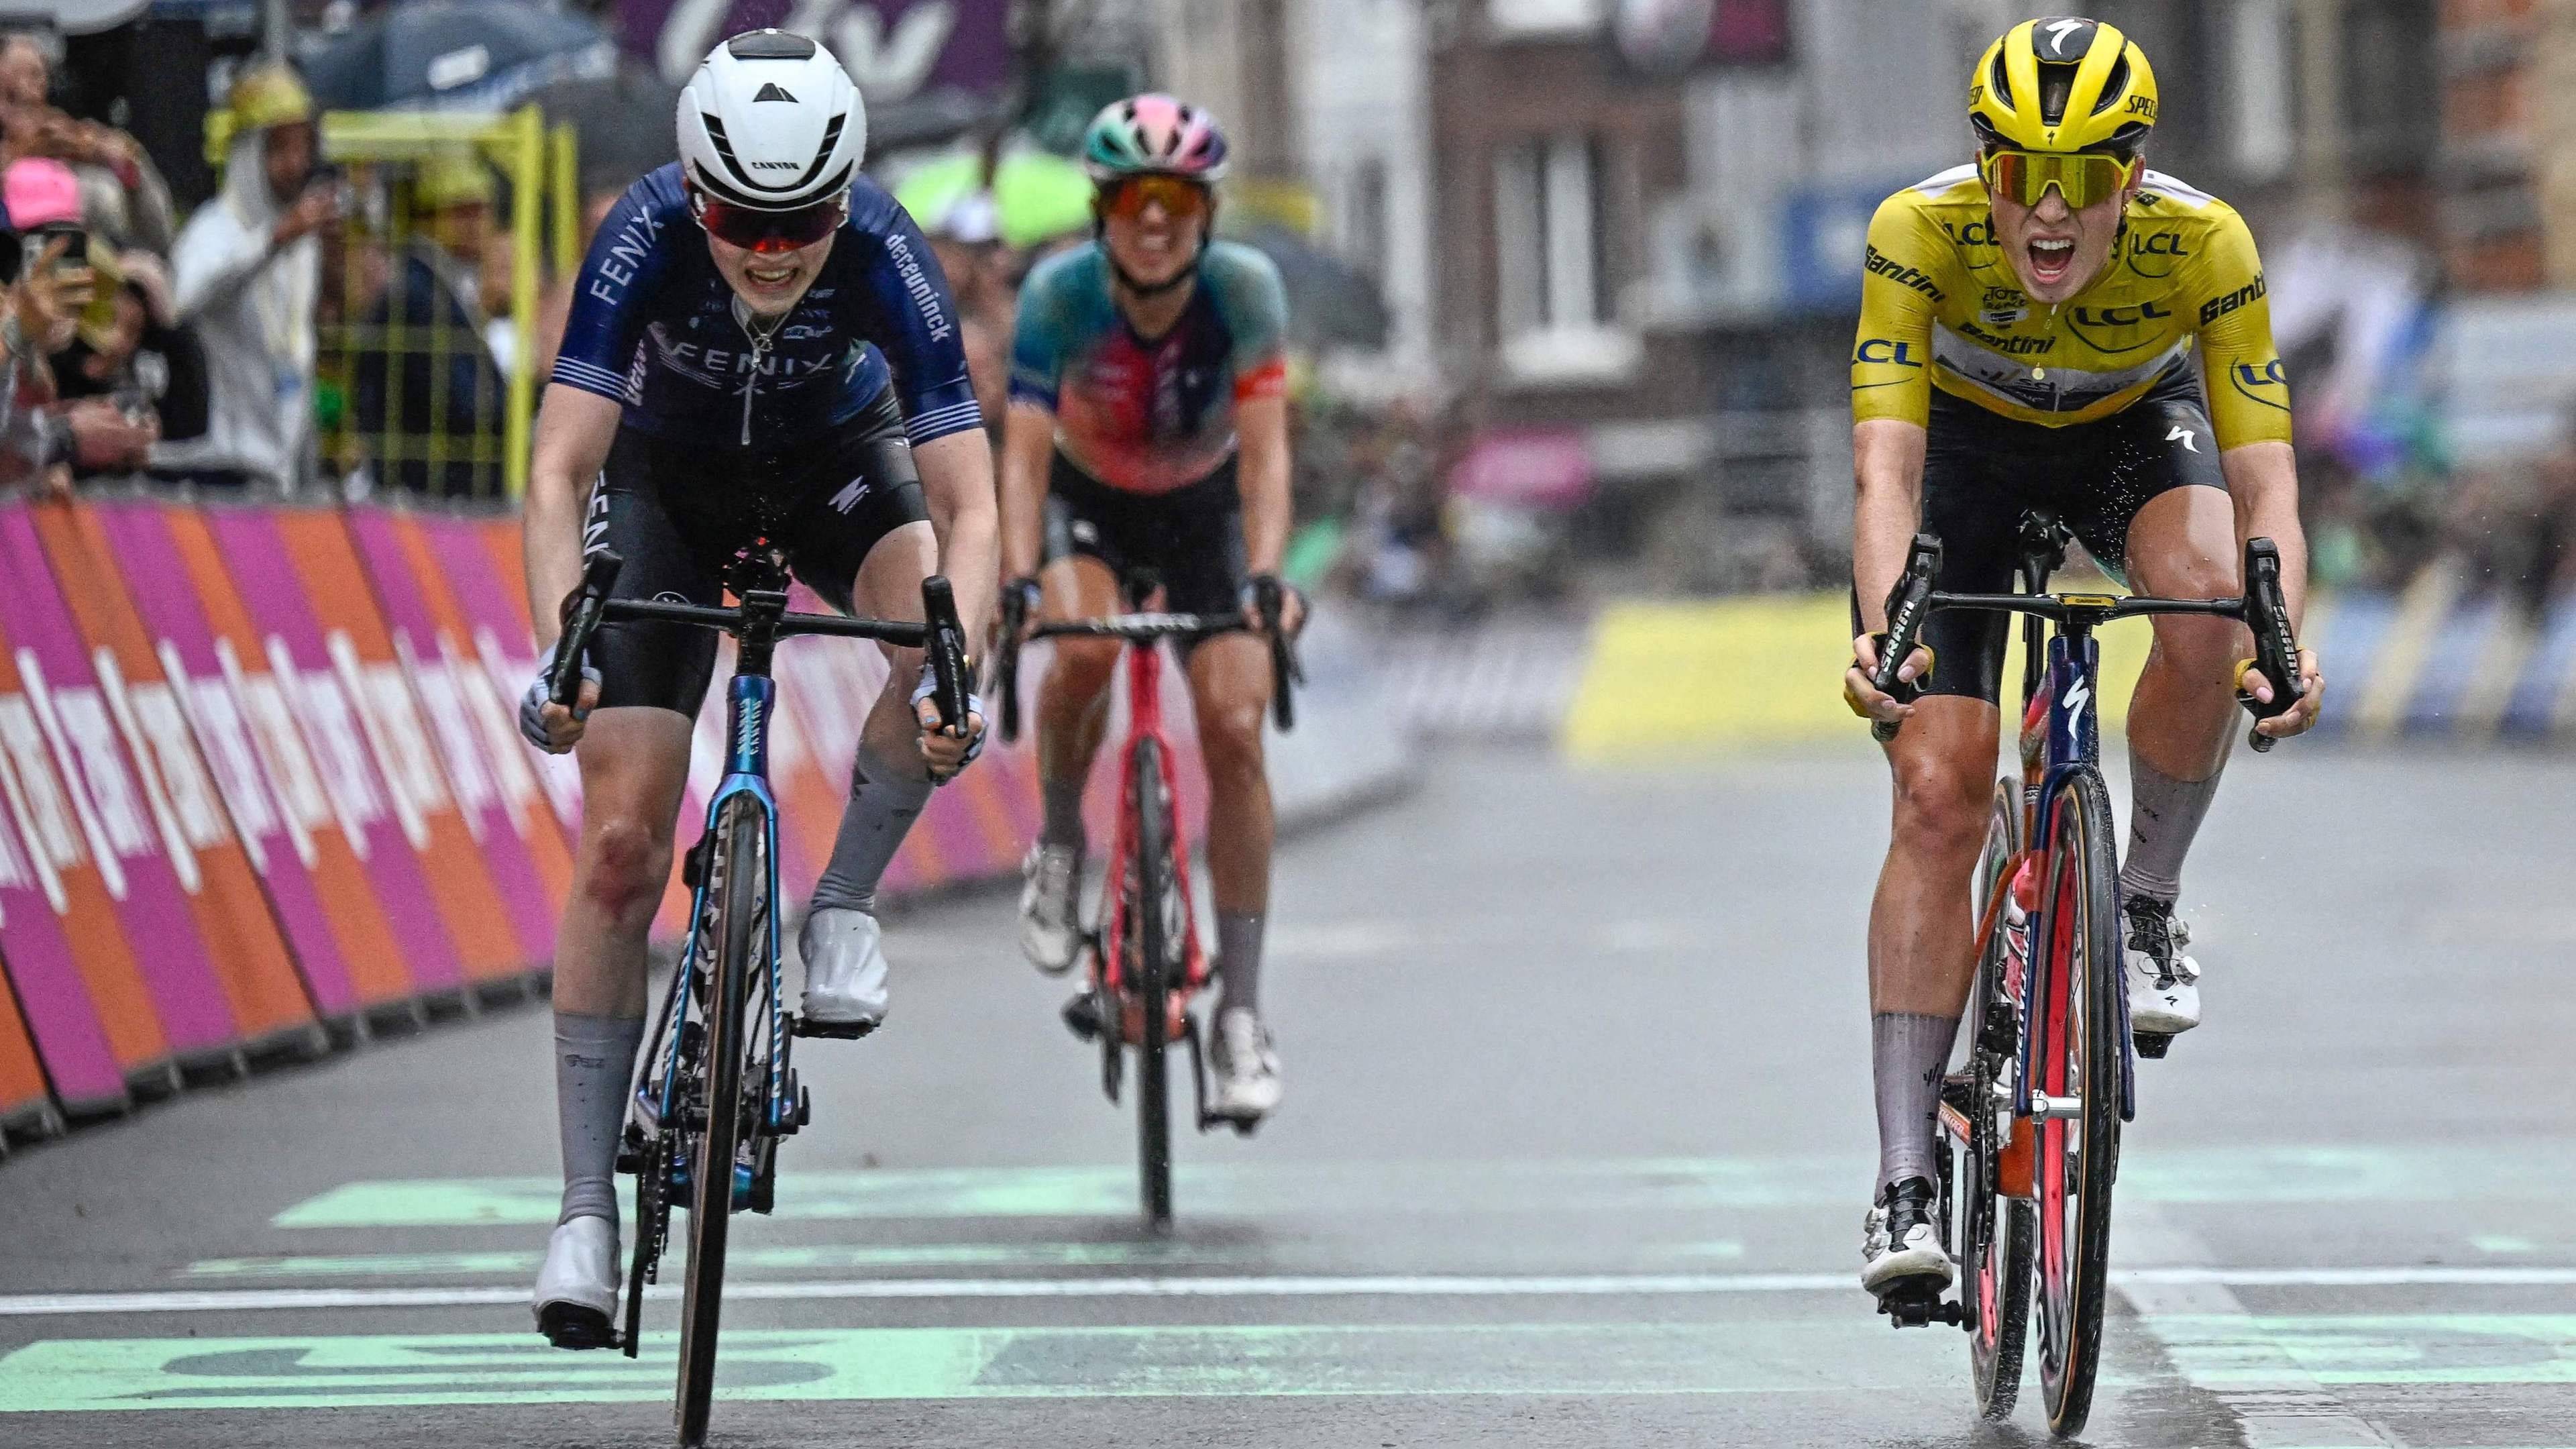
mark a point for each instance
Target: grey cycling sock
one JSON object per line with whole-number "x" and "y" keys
{"x": 594, "y": 1059}
{"x": 1908, "y": 1052}
{"x": 884, "y": 801}
{"x": 1238, "y": 960}
{"x": 1062, "y": 822}
{"x": 2164, "y": 815}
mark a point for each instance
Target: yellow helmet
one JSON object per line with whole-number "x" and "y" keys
{"x": 2062, "y": 83}
{"x": 269, "y": 95}
{"x": 452, "y": 178}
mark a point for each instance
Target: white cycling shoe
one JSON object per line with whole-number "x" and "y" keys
{"x": 2164, "y": 984}
{"x": 1245, "y": 1067}
{"x": 845, "y": 973}
{"x": 1050, "y": 907}
{"x": 576, "y": 1293}
{"x": 1901, "y": 1244}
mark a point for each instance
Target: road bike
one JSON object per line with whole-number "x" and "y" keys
{"x": 717, "y": 1091}
{"x": 1145, "y": 959}
{"x": 2029, "y": 1134}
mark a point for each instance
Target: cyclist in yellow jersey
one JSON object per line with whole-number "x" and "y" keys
{"x": 2028, "y": 334}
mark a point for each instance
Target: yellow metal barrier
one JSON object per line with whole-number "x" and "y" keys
{"x": 384, "y": 153}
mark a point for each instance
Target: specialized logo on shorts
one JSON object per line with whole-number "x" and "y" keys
{"x": 848, "y": 498}
{"x": 2185, "y": 435}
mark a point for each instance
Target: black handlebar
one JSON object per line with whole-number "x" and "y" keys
{"x": 762, "y": 619}
{"x": 1145, "y": 629}
{"x": 2264, "y": 609}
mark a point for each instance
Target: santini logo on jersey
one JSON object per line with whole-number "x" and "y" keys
{"x": 1901, "y": 274}
{"x": 2217, "y": 307}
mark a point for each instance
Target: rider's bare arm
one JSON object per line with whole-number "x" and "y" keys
{"x": 2264, "y": 484}
{"x": 1887, "y": 474}
{"x": 1261, "y": 425}
{"x": 1028, "y": 449}
{"x": 574, "y": 433}
{"x": 957, "y": 485}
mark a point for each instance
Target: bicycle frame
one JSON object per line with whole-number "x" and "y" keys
{"x": 1143, "y": 668}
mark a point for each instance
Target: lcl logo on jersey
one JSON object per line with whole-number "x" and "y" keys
{"x": 2090, "y": 322}
{"x": 2268, "y": 384}
{"x": 1884, "y": 351}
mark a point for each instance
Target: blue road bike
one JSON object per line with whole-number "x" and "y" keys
{"x": 2029, "y": 1134}
{"x": 717, "y": 1091}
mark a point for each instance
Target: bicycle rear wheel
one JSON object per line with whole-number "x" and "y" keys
{"x": 734, "y": 906}
{"x": 1155, "y": 882}
{"x": 1994, "y": 1230}
{"x": 2075, "y": 1061}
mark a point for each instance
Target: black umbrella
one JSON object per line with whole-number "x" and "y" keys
{"x": 465, "y": 55}
{"x": 1330, "y": 302}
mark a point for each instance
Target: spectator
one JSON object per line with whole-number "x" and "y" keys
{"x": 37, "y": 438}
{"x": 132, "y": 353}
{"x": 429, "y": 396}
{"x": 122, "y": 193}
{"x": 248, "y": 269}
{"x": 44, "y": 207}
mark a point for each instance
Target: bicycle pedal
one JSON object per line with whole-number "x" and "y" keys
{"x": 569, "y": 1325}
{"x": 1082, "y": 1015}
{"x": 1909, "y": 1306}
{"x": 806, "y": 1026}
{"x": 2151, "y": 1044}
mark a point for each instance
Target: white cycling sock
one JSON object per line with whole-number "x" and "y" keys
{"x": 884, "y": 801}
{"x": 1908, "y": 1052}
{"x": 2164, "y": 815}
{"x": 594, "y": 1060}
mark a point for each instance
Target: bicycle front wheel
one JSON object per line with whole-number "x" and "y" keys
{"x": 1157, "y": 885}
{"x": 734, "y": 899}
{"x": 1994, "y": 1230}
{"x": 2075, "y": 1028}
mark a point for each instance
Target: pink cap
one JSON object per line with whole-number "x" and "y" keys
{"x": 40, "y": 192}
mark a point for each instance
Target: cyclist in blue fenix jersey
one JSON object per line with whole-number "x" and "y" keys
{"x": 760, "y": 346}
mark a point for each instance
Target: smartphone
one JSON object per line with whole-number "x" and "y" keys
{"x": 75, "y": 246}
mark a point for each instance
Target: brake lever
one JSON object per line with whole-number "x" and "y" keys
{"x": 1908, "y": 604}
{"x": 589, "y": 601}
{"x": 2276, "y": 649}
{"x": 944, "y": 639}
{"x": 1006, "y": 660}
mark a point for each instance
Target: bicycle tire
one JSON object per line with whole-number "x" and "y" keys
{"x": 1994, "y": 1231}
{"x": 2076, "y": 1051}
{"x": 1155, "y": 881}
{"x": 736, "y": 900}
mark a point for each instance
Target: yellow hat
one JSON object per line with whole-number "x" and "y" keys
{"x": 269, "y": 95}
{"x": 451, "y": 178}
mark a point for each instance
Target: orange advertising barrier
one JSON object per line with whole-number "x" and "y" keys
{"x": 251, "y": 963}
{"x": 260, "y": 768}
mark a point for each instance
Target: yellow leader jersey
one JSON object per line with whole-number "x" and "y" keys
{"x": 1940, "y": 307}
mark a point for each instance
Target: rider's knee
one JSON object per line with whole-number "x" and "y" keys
{"x": 1940, "y": 803}
{"x": 1083, "y": 665}
{"x": 1230, "y": 736}
{"x": 626, "y": 864}
{"x": 2200, "y": 647}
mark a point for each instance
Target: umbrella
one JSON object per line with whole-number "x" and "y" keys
{"x": 461, "y": 55}
{"x": 1037, "y": 196}
{"x": 1330, "y": 302}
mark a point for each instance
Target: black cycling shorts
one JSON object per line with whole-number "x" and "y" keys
{"x": 1189, "y": 540}
{"x": 1983, "y": 471}
{"x": 679, "y": 514}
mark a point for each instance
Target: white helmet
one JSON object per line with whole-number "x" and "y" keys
{"x": 771, "y": 122}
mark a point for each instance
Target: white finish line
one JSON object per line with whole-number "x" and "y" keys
{"x": 43, "y": 1305}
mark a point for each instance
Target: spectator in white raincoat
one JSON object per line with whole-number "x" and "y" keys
{"x": 248, "y": 270}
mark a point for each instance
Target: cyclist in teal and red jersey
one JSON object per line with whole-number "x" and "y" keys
{"x": 1147, "y": 436}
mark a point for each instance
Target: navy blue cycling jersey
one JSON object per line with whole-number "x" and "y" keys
{"x": 654, "y": 326}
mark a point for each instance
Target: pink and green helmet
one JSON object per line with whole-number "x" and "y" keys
{"x": 1153, "y": 134}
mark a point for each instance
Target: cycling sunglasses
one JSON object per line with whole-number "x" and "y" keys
{"x": 2083, "y": 178}
{"x": 1179, "y": 196}
{"x": 767, "y": 231}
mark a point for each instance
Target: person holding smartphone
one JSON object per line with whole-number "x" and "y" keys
{"x": 248, "y": 270}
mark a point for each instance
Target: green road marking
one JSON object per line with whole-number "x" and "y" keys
{"x": 2501, "y": 1243}
{"x": 2217, "y": 1351}
{"x": 795, "y": 1259}
{"x": 2226, "y": 1176}
{"x": 66, "y": 1375}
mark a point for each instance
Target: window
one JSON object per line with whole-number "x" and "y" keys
{"x": 1546, "y": 217}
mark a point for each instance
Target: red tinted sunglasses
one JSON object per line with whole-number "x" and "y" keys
{"x": 1126, "y": 198}
{"x": 767, "y": 231}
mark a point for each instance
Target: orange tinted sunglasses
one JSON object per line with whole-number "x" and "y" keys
{"x": 1180, "y": 197}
